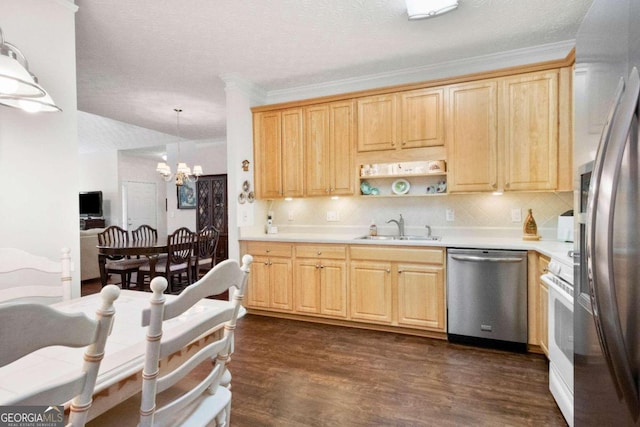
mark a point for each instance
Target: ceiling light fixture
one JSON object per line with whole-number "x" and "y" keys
{"x": 19, "y": 88}
{"x": 421, "y": 9}
{"x": 183, "y": 172}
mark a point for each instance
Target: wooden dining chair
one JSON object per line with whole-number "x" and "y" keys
{"x": 145, "y": 233}
{"x": 28, "y": 327}
{"x": 25, "y": 277}
{"x": 186, "y": 396}
{"x": 205, "y": 251}
{"x": 116, "y": 264}
{"x": 177, "y": 264}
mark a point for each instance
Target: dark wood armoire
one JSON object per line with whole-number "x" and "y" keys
{"x": 212, "y": 209}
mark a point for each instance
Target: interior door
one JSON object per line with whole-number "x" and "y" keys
{"x": 139, "y": 204}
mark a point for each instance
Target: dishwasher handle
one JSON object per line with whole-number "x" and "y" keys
{"x": 484, "y": 259}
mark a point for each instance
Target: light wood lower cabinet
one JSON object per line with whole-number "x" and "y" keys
{"x": 321, "y": 280}
{"x": 271, "y": 278}
{"x": 399, "y": 287}
{"x": 543, "y": 305}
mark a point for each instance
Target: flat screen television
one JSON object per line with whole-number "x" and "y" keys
{"x": 91, "y": 204}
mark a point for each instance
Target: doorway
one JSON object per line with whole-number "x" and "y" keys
{"x": 212, "y": 209}
{"x": 139, "y": 204}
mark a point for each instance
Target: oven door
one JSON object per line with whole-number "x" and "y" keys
{"x": 560, "y": 331}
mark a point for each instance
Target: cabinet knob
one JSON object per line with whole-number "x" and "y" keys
{"x": 266, "y": 263}
{"x": 317, "y": 265}
{"x": 270, "y": 263}
{"x": 399, "y": 271}
{"x": 388, "y": 270}
{"x": 268, "y": 250}
{"x": 319, "y": 253}
{"x": 321, "y": 266}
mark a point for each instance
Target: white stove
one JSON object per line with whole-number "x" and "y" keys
{"x": 559, "y": 279}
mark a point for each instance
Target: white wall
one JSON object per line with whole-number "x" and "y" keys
{"x": 96, "y": 173}
{"x": 39, "y": 152}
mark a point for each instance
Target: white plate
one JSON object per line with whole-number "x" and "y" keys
{"x": 400, "y": 186}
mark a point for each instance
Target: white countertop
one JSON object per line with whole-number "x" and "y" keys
{"x": 551, "y": 248}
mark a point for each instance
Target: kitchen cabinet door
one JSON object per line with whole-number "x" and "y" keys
{"x": 267, "y": 130}
{"x": 278, "y": 149}
{"x": 528, "y": 131}
{"x": 258, "y": 290}
{"x": 329, "y": 138}
{"x": 377, "y": 123}
{"x": 333, "y": 290}
{"x": 543, "y": 314}
{"x": 281, "y": 283}
{"x": 307, "y": 286}
{"x": 421, "y": 296}
{"x": 472, "y": 141}
{"x": 371, "y": 294}
{"x": 422, "y": 118}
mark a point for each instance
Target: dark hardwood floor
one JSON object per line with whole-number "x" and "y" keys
{"x": 290, "y": 373}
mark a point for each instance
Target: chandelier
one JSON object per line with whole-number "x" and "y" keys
{"x": 183, "y": 172}
{"x": 19, "y": 88}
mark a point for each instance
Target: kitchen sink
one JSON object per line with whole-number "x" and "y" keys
{"x": 390, "y": 237}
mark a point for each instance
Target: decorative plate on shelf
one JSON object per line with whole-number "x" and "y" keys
{"x": 400, "y": 186}
{"x": 365, "y": 188}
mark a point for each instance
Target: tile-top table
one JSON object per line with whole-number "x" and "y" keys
{"x": 120, "y": 375}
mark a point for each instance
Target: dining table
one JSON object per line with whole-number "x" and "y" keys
{"x": 134, "y": 248}
{"x": 120, "y": 373}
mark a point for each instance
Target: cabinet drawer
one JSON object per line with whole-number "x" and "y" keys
{"x": 269, "y": 249}
{"x": 320, "y": 251}
{"x": 421, "y": 255}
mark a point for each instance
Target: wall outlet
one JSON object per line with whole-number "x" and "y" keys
{"x": 333, "y": 216}
{"x": 451, "y": 215}
{"x": 290, "y": 216}
{"x": 516, "y": 215}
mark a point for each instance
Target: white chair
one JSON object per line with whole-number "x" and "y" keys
{"x": 27, "y": 327}
{"x": 206, "y": 401}
{"x": 25, "y": 277}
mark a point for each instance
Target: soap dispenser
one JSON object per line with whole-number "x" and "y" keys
{"x": 373, "y": 229}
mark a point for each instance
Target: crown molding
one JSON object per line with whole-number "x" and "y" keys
{"x": 69, "y": 4}
{"x": 511, "y": 58}
{"x": 234, "y": 81}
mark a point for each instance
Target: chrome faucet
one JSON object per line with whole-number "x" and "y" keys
{"x": 400, "y": 224}
{"x": 428, "y": 227}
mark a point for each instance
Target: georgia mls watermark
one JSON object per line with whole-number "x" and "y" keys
{"x": 32, "y": 416}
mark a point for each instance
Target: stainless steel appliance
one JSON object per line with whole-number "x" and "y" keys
{"x": 559, "y": 279}
{"x": 607, "y": 301}
{"x": 487, "y": 297}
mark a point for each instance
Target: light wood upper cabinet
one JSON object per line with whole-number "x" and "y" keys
{"x": 421, "y": 118}
{"x": 329, "y": 139}
{"x": 377, "y": 123}
{"x": 502, "y": 134}
{"x": 528, "y": 131}
{"x": 472, "y": 140}
{"x": 411, "y": 119}
{"x": 278, "y": 151}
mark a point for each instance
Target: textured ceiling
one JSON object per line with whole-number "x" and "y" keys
{"x": 137, "y": 60}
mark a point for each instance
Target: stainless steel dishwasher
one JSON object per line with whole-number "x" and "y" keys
{"x": 487, "y": 297}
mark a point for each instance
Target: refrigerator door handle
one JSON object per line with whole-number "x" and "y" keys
{"x": 600, "y": 214}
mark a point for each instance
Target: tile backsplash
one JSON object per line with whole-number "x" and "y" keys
{"x": 469, "y": 211}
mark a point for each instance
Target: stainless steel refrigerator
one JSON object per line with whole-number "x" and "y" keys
{"x": 607, "y": 197}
